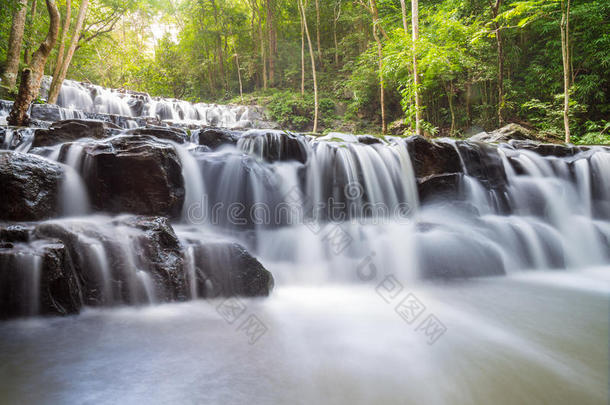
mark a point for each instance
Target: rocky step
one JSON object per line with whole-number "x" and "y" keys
{"x": 56, "y": 267}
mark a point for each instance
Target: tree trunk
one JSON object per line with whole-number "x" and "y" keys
{"x": 60, "y": 52}
{"x": 32, "y": 76}
{"x": 318, "y": 32}
{"x": 59, "y": 79}
{"x": 13, "y": 53}
{"x": 272, "y": 42}
{"x": 415, "y": 28}
{"x": 263, "y": 55}
{"x": 565, "y": 52}
{"x": 500, "y": 76}
{"x": 313, "y": 68}
{"x": 403, "y": 8}
{"x": 495, "y": 8}
{"x": 468, "y": 100}
{"x": 449, "y": 89}
{"x": 376, "y": 27}
{"x": 302, "y": 53}
{"x": 241, "y": 91}
{"x": 336, "y": 15}
{"x": 31, "y": 33}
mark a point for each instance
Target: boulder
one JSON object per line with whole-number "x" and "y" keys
{"x": 442, "y": 187}
{"x": 15, "y": 232}
{"x": 504, "y": 134}
{"x": 160, "y": 252}
{"x": 548, "y": 149}
{"x": 369, "y": 139}
{"x": 171, "y": 134}
{"x": 30, "y": 185}
{"x": 431, "y": 158}
{"x": 37, "y": 278}
{"x": 274, "y": 146}
{"x": 127, "y": 259}
{"x": 134, "y": 174}
{"x": 72, "y": 130}
{"x": 46, "y": 112}
{"x": 483, "y": 162}
{"x": 227, "y": 269}
{"x": 443, "y": 253}
{"x": 215, "y": 137}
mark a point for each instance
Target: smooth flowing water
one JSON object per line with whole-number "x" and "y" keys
{"x": 377, "y": 297}
{"x": 537, "y": 338}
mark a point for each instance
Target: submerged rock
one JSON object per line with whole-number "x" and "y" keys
{"x": 37, "y": 279}
{"x": 72, "y": 130}
{"x": 274, "y": 146}
{"x": 30, "y": 185}
{"x": 128, "y": 259}
{"x": 444, "y": 254}
{"x": 58, "y": 266}
{"x": 134, "y": 174}
{"x": 442, "y": 187}
{"x": 369, "y": 139}
{"x": 226, "y": 269}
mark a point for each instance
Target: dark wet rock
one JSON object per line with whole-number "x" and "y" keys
{"x": 215, "y": 137}
{"x": 130, "y": 244}
{"x": 30, "y": 186}
{"x": 72, "y": 130}
{"x": 13, "y": 137}
{"x": 504, "y": 134}
{"x": 171, "y": 134}
{"x": 37, "y": 279}
{"x": 483, "y": 162}
{"x": 11, "y": 232}
{"x": 134, "y": 174}
{"x": 160, "y": 253}
{"x": 432, "y": 158}
{"x": 46, "y": 112}
{"x": 136, "y": 105}
{"x": 368, "y": 139}
{"x": 274, "y": 145}
{"x": 547, "y": 149}
{"x": 443, "y": 187}
{"x": 445, "y": 254}
{"x": 227, "y": 269}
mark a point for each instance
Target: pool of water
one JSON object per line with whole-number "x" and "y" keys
{"x": 540, "y": 337}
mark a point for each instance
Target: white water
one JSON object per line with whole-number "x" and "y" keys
{"x": 510, "y": 340}
{"x": 75, "y": 98}
{"x": 536, "y": 333}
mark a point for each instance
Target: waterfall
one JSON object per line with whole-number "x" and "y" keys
{"x": 83, "y": 100}
{"x": 298, "y": 193}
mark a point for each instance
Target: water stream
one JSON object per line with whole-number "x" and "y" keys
{"x": 377, "y": 298}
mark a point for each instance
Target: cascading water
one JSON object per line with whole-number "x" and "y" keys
{"x": 82, "y": 100}
{"x": 291, "y": 191}
{"x": 339, "y": 222}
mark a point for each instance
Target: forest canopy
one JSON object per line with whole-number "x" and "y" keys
{"x": 480, "y": 64}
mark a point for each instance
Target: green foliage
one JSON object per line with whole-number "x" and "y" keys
{"x": 597, "y": 133}
{"x": 190, "y": 49}
{"x": 294, "y": 111}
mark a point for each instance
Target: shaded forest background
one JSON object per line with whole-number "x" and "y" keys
{"x": 256, "y": 51}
